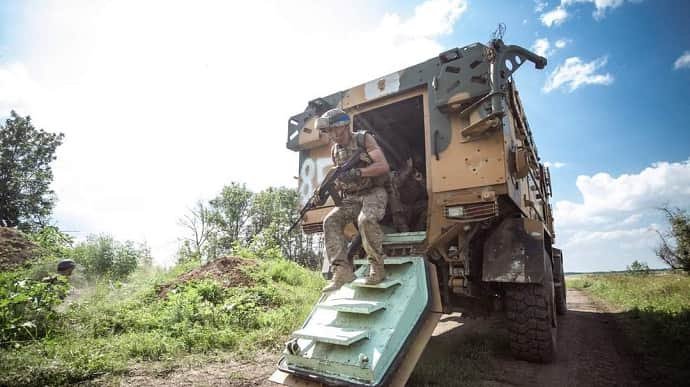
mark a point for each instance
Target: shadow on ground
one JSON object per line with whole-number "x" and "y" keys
{"x": 592, "y": 351}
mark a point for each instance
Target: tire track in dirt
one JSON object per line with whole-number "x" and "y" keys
{"x": 589, "y": 350}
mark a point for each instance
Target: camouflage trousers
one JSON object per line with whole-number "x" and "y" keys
{"x": 367, "y": 209}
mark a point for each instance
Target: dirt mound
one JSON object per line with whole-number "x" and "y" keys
{"x": 226, "y": 270}
{"x": 15, "y": 248}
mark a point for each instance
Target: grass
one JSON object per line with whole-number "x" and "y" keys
{"x": 655, "y": 311}
{"x": 113, "y": 325}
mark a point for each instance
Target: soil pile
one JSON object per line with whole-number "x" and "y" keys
{"x": 15, "y": 248}
{"x": 226, "y": 270}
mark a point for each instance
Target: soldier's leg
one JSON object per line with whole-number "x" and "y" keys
{"x": 334, "y": 239}
{"x": 373, "y": 210}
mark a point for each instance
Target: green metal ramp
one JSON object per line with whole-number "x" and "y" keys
{"x": 360, "y": 334}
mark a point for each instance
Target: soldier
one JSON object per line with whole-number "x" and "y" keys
{"x": 364, "y": 199}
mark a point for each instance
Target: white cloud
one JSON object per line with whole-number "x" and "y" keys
{"x": 431, "y": 19}
{"x": 586, "y": 251}
{"x": 561, "y": 43}
{"x": 574, "y": 73}
{"x": 600, "y": 6}
{"x": 543, "y": 47}
{"x": 560, "y": 13}
{"x": 555, "y": 164}
{"x": 554, "y": 17}
{"x": 17, "y": 89}
{"x": 540, "y": 5}
{"x": 683, "y": 62}
{"x": 164, "y": 102}
{"x": 615, "y": 222}
{"x": 603, "y": 194}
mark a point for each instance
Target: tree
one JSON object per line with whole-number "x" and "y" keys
{"x": 272, "y": 213}
{"x": 200, "y": 227}
{"x": 26, "y": 199}
{"x": 229, "y": 214}
{"x": 674, "y": 248}
{"x": 638, "y": 267}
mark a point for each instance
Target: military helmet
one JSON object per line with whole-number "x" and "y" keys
{"x": 66, "y": 266}
{"x": 332, "y": 119}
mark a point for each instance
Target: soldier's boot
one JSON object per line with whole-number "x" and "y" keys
{"x": 342, "y": 274}
{"x": 377, "y": 272}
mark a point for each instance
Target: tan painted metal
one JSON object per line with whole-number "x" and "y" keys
{"x": 470, "y": 164}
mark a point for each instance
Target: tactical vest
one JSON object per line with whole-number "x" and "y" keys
{"x": 340, "y": 155}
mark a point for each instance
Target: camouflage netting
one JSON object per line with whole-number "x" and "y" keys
{"x": 15, "y": 248}
{"x": 226, "y": 270}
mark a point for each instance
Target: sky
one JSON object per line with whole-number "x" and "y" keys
{"x": 164, "y": 102}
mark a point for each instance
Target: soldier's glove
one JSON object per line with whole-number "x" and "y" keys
{"x": 317, "y": 200}
{"x": 351, "y": 175}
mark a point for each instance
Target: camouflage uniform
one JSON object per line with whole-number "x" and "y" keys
{"x": 366, "y": 209}
{"x": 364, "y": 202}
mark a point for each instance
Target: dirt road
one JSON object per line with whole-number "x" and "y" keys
{"x": 590, "y": 353}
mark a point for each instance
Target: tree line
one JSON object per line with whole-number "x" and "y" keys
{"x": 237, "y": 219}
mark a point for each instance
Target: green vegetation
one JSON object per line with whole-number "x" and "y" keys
{"x": 239, "y": 219}
{"x": 675, "y": 243}
{"x": 656, "y": 317}
{"x": 26, "y": 199}
{"x": 638, "y": 268}
{"x": 116, "y": 309}
{"x": 109, "y": 327}
{"x": 101, "y": 255}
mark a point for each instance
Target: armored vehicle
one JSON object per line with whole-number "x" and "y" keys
{"x": 469, "y": 226}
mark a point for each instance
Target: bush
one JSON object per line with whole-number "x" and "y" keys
{"x": 103, "y": 256}
{"x": 108, "y": 327}
{"x": 27, "y": 307}
{"x": 638, "y": 268}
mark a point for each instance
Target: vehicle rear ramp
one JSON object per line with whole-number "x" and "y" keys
{"x": 363, "y": 335}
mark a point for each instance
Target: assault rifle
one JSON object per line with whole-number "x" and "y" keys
{"x": 327, "y": 187}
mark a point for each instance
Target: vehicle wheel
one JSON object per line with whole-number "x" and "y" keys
{"x": 531, "y": 323}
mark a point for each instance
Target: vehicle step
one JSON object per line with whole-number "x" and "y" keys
{"x": 389, "y": 261}
{"x": 352, "y": 306}
{"x": 404, "y": 238}
{"x": 332, "y": 335}
{"x": 385, "y": 284}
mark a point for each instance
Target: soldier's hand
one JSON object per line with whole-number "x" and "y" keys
{"x": 351, "y": 175}
{"x": 317, "y": 200}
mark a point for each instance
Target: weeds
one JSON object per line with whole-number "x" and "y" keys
{"x": 113, "y": 324}
{"x": 656, "y": 317}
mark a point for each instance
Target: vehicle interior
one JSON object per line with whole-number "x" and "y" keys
{"x": 399, "y": 131}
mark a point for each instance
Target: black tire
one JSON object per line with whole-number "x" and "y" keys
{"x": 529, "y": 310}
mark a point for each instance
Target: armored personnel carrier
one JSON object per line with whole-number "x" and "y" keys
{"x": 469, "y": 226}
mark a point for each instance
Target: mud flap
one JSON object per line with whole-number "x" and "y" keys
{"x": 514, "y": 252}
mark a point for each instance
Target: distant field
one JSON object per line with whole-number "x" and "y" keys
{"x": 654, "y": 311}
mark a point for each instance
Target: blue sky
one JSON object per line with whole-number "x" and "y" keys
{"x": 158, "y": 101}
